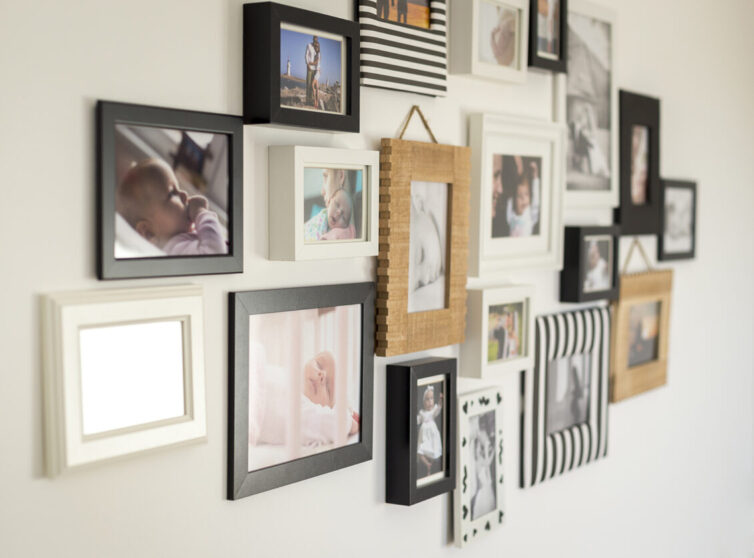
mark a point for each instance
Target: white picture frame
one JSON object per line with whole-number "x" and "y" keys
{"x": 467, "y": 525}
{"x": 490, "y": 135}
{"x": 65, "y": 316}
{"x": 287, "y": 166}
{"x": 475, "y": 349}
{"x": 591, "y": 199}
{"x": 465, "y": 47}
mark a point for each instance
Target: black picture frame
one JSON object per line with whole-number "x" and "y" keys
{"x": 572, "y": 276}
{"x": 108, "y": 114}
{"x": 560, "y": 65}
{"x": 639, "y": 110}
{"x": 662, "y": 253}
{"x": 261, "y": 63}
{"x": 401, "y": 455}
{"x": 241, "y": 481}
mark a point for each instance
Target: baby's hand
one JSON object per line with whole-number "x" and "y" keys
{"x": 195, "y": 205}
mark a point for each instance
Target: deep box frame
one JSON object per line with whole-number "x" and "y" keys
{"x": 572, "y": 274}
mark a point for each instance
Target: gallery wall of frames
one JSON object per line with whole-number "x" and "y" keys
{"x": 371, "y": 268}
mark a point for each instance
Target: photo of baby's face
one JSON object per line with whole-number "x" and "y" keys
{"x": 334, "y": 204}
{"x": 339, "y": 210}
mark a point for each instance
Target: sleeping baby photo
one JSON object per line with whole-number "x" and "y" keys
{"x": 333, "y": 200}
{"x": 304, "y": 383}
{"x": 171, "y": 195}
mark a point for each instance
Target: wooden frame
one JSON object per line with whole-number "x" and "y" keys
{"x": 402, "y": 162}
{"x": 402, "y": 484}
{"x": 286, "y": 202}
{"x": 664, "y": 240}
{"x": 473, "y": 405}
{"x": 536, "y": 60}
{"x": 475, "y": 361}
{"x": 70, "y": 443}
{"x": 573, "y": 277}
{"x": 464, "y": 45}
{"x": 636, "y": 289}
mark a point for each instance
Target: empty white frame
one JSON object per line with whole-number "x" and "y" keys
{"x": 123, "y": 372}
{"x": 296, "y": 233}
{"x": 500, "y": 322}
{"x": 513, "y": 154}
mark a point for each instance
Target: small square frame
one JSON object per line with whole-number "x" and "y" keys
{"x": 572, "y": 275}
{"x": 535, "y": 60}
{"x": 662, "y": 254}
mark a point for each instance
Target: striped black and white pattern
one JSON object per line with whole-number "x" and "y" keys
{"x": 545, "y": 456}
{"x": 403, "y": 57}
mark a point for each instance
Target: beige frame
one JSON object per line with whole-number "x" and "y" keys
{"x": 625, "y": 382}
{"x": 401, "y": 161}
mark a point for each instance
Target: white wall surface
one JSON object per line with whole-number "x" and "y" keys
{"x": 678, "y": 479}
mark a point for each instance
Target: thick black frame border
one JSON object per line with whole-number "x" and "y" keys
{"x": 241, "y": 481}
{"x": 536, "y": 61}
{"x": 108, "y": 115}
{"x": 400, "y": 461}
{"x": 261, "y": 60}
{"x": 661, "y": 254}
{"x": 639, "y": 110}
{"x": 572, "y": 274}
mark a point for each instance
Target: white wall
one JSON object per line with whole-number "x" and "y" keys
{"x": 678, "y": 478}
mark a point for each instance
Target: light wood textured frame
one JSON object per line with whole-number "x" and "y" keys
{"x": 399, "y": 332}
{"x": 639, "y": 288}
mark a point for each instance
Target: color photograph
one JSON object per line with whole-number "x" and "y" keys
{"x": 679, "y": 220}
{"x": 506, "y": 328}
{"x": 639, "y": 164}
{"x": 430, "y": 433}
{"x": 516, "y": 185}
{"x": 499, "y": 28}
{"x": 598, "y": 264}
{"x": 548, "y": 29}
{"x": 483, "y": 469}
{"x": 644, "y": 327}
{"x": 568, "y": 388}
{"x": 409, "y": 12}
{"x": 333, "y": 204}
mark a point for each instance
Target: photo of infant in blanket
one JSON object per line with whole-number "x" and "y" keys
{"x": 333, "y": 204}
{"x": 304, "y": 383}
{"x": 172, "y": 190}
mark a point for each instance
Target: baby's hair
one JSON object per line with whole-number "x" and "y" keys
{"x": 429, "y": 390}
{"x": 132, "y": 195}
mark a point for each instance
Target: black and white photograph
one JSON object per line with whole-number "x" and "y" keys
{"x": 679, "y": 215}
{"x": 548, "y": 28}
{"x": 483, "y": 468}
{"x": 516, "y": 195}
{"x": 430, "y": 430}
{"x": 505, "y": 335}
{"x": 568, "y": 391}
{"x": 428, "y": 246}
{"x": 644, "y": 329}
{"x": 333, "y": 204}
{"x": 499, "y": 33}
{"x": 598, "y": 264}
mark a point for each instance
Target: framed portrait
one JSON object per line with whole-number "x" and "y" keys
{"x": 639, "y": 209}
{"x": 516, "y": 192}
{"x": 489, "y": 39}
{"x": 422, "y": 261}
{"x": 565, "y": 395}
{"x": 590, "y": 267}
{"x": 548, "y": 35}
{"x": 677, "y": 239}
{"x": 404, "y": 45}
{"x": 421, "y": 430}
{"x": 499, "y": 331}
{"x": 169, "y": 192}
{"x": 478, "y": 500}
{"x": 323, "y": 202}
{"x": 123, "y": 373}
{"x": 301, "y": 381}
{"x": 640, "y": 337}
{"x": 300, "y": 68}
{"x": 588, "y": 105}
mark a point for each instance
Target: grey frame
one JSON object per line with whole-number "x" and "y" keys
{"x": 241, "y": 481}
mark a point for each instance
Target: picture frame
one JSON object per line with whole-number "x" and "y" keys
{"x": 477, "y": 507}
{"x": 513, "y": 307}
{"x": 133, "y": 140}
{"x": 92, "y": 375}
{"x": 639, "y": 209}
{"x": 543, "y": 59}
{"x": 590, "y": 267}
{"x": 289, "y": 169}
{"x": 501, "y": 241}
{"x": 553, "y": 442}
{"x": 274, "y": 32}
{"x": 467, "y": 55}
{"x": 403, "y": 57}
{"x": 406, "y": 167}
{"x": 677, "y": 238}
{"x": 410, "y": 450}
{"x": 640, "y": 292}
{"x": 250, "y": 439}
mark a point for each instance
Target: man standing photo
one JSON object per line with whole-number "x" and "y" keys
{"x": 311, "y": 68}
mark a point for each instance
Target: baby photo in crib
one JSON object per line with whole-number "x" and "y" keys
{"x": 172, "y": 190}
{"x": 333, "y": 204}
{"x": 598, "y": 264}
{"x": 304, "y": 383}
{"x": 516, "y": 185}
{"x": 430, "y": 425}
{"x": 483, "y": 469}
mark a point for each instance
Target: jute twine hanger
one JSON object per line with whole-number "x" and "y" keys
{"x": 643, "y": 254}
{"x": 416, "y": 109}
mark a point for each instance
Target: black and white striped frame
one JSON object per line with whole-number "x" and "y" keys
{"x": 545, "y": 456}
{"x": 404, "y": 57}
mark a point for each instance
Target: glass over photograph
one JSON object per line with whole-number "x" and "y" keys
{"x": 548, "y": 29}
{"x": 568, "y": 388}
{"x": 333, "y": 204}
{"x": 516, "y": 194}
{"x": 639, "y": 164}
{"x": 409, "y": 12}
{"x": 430, "y": 433}
{"x": 499, "y": 28}
{"x": 304, "y": 383}
{"x": 679, "y": 219}
{"x": 644, "y": 328}
{"x": 312, "y": 70}
{"x": 505, "y": 326}
{"x": 598, "y": 264}
{"x": 172, "y": 193}
{"x": 482, "y": 470}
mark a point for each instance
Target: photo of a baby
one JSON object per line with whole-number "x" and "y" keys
{"x": 172, "y": 190}
{"x": 644, "y": 328}
{"x": 333, "y": 204}
{"x": 639, "y": 164}
{"x": 499, "y": 28}
{"x": 598, "y": 264}
{"x": 304, "y": 383}
{"x": 430, "y": 424}
{"x": 568, "y": 389}
{"x": 548, "y": 29}
{"x": 427, "y": 246}
{"x": 483, "y": 469}
{"x": 516, "y": 186}
{"x": 505, "y": 330}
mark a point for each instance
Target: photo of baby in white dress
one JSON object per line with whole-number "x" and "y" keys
{"x": 483, "y": 470}
{"x": 430, "y": 424}
{"x": 598, "y": 264}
